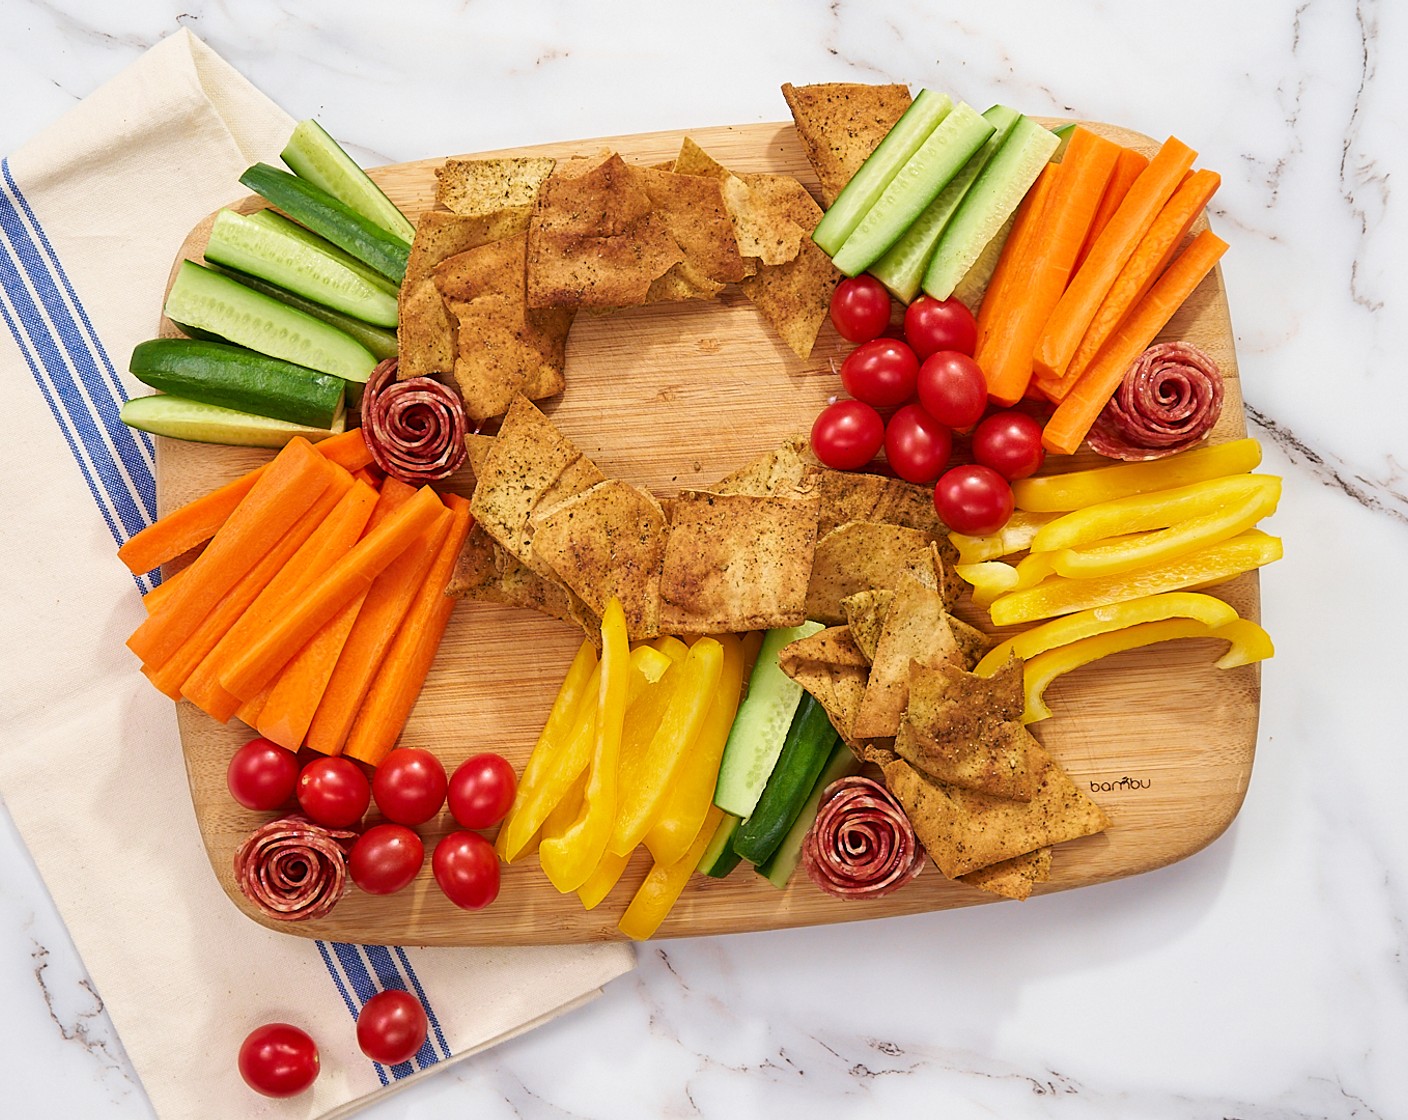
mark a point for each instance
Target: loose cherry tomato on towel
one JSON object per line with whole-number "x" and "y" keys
{"x": 931, "y": 325}
{"x": 409, "y": 785}
{"x": 917, "y": 445}
{"x": 279, "y": 1060}
{"x": 952, "y": 389}
{"x": 1010, "y": 443}
{"x": 262, "y": 774}
{"x": 391, "y": 1027}
{"x": 881, "y": 372}
{"x": 481, "y": 791}
{"x": 860, "y": 309}
{"x": 847, "y": 435}
{"x": 386, "y": 858}
{"x": 467, "y": 869}
{"x": 974, "y": 500}
{"x": 334, "y": 792}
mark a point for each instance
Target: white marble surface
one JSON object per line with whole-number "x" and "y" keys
{"x": 1263, "y": 978}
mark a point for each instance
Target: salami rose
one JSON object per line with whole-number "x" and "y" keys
{"x": 415, "y": 428}
{"x": 1169, "y": 399}
{"x": 862, "y": 844}
{"x": 293, "y": 869}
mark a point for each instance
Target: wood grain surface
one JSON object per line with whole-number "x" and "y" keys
{"x": 677, "y": 395}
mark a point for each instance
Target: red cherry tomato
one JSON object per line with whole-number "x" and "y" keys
{"x": 261, "y": 775}
{"x": 881, "y": 372}
{"x": 931, "y": 325}
{"x": 481, "y": 791}
{"x": 917, "y": 445}
{"x": 391, "y": 1027}
{"x": 386, "y": 858}
{"x": 974, "y": 500}
{"x": 409, "y": 785}
{"x": 860, "y": 309}
{"x": 847, "y": 435}
{"x": 278, "y": 1060}
{"x": 1010, "y": 443}
{"x": 952, "y": 389}
{"x": 467, "y": 869}
{"x": 334, "y": 792}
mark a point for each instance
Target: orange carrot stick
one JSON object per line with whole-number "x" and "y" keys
{"x": 1004, "y": 287}
{"x": 269, "y": 651}
{"x": 1128, "y": 167}
{"x": 347, "y": 449}
{"x": 407, "y": 663}
{"x": 1062, "y": 332}
{"x": 1074, "y": 415}
{"x": 284, "y": 492}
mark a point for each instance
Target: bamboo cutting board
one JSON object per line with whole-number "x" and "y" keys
{"x": 677, "y": 395}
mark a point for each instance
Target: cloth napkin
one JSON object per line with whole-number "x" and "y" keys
{"x": 92, "y": 214}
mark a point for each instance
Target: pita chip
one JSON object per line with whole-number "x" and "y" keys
{"x": 777, "y": 473}
{"x": 1012, "y": 878}
{"x": 830, "y": 666}
{"x": 474, "y": 187}
{"x": 864, "y": 556}
{"x": 840, "y": 124}
{"x": 865, "y": 616}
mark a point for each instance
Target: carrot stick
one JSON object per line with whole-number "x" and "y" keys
{"x": 1004, "y": 287}
{"x": 1006, "y": 353}
{"x": 1128, "y": 167}
{"x": 347, "y": 449}
{"x": 1074, "y": 415}
{"x": 269, "y": 651}
{"x": 157, "y": 595}
{"x": 331, "y": 540}
{"x": 1062, "y": 332}
{"x": 407, "y": 664}
{"x": 284, "y": 492}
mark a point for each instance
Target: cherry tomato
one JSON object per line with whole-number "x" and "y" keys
{"x": 391, "y": 1027}
{"x": 386, "y": 858}
{"x": 974, "y": 500}
{"x": 952, "y": 389}
{"x": 481, "y": 791}
{"x": 917, "y": 445}
{"x": 261, "y": 775}
{"x": 931, "y": 325}
{"x": 334, "y": 792}
{"x": 847, "y": 435}
{"x": 467, "y": 869}
{"x": 1010, "y": 443}
{"x": 881, "y": 372}
{"x": 278, "y": 1060}
{"x": 409, "y": 785}
{"x": 860, "y": 309}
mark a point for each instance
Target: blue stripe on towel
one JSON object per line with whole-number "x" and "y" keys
{"x": 83, "y": 391}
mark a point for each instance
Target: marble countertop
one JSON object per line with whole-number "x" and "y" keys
{"x": 1264, "y": 977}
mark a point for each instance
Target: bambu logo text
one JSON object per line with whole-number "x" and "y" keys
{"x": 1122, "y": 783}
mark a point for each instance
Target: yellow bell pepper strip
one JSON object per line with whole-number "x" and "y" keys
{"x": 1044, "y": 668}
{"x": 568, "y": 860}
{"x": 671, "y": 647}
{"x": 1101, "y": 620}
{"x": 648, "y": 778}
{"x": 683, "y": 813}
{"x": 665, "y": 883}
{"x": 1057, "y": 493}
{"x": 566, "y": 810}
{"x": 603, "y": 880}
{"x": 989, "y": 579}
{"x": 1201, "y": 568}
{"x": 1249, "y": 643}
{"x": 1015, "y": 536}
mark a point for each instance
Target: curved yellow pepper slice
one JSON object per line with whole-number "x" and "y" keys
{"x": 600, "y": 882}
{"x": 1205, "y": 609}
{"x": 1249, "y": 643}
{"x": 1056, "y": 493}
{"x": 989, "y": 579}
{"x": 1015, "y": 536}
{"x": 665, "y": 883}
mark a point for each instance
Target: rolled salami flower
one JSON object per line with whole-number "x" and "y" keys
{"x": 1170, "y": 399}
{"x": 414, "y": 428}
{"x": 293, "y": 869}
{"x": 862, "y": 844}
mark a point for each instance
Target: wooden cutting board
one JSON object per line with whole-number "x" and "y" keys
{"x": 676, "y": 396}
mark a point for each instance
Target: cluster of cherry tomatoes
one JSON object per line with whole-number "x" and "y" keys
{"x": 909, "y": 395}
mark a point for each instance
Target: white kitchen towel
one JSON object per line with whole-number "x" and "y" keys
{"x": 92, "y": 214}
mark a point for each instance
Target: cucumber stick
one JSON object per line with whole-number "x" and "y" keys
{"x": 778, "y": 868}
{"x": 902, "y": 267}
{"x": 214, "y": 304}
{"x": 810, "y": 740}
{"x": 317, "y": 157}
{"x": 268, "y": 245}
{"x": 313, "y": 207}
{"x": 380, "y": 341}
{"x": 760, "y": 726}
{"x": 925, "y": 174}
{"x": 179, "y": 418}
{"x": 996, "y": 192}
{"x": 719, "y": 858}
{"x": 924, "y": 115}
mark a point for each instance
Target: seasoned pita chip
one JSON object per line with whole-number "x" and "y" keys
{"x": 1012, "y": 878}
{"x": 736, "y": 562}
{"x": 777, "y": 473}
{"x": 513, "y": 350}
{"x": 694, "y": 213}
{"x": 865, "y": 615}
{"x": 486, "y": 186}
{"x": 762, "y": 221}
{"x": 833, "y": 670}
{"x": 484, "y": 572}
{"x": 840, "y": 124}
{"x": 973, "y": 644}
{"x": 477, "y": 447}
{"x": 864, "y": 556}
{"x": 963, "y": 830}
{"x": 608, "y": 541}
{"x": 853, "y": 496}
